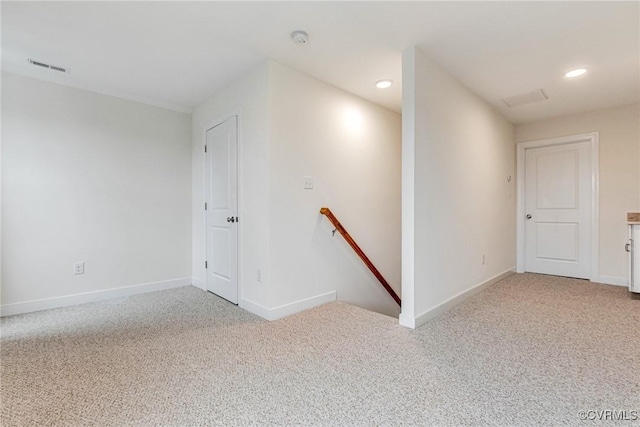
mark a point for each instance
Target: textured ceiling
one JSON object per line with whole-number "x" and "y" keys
{"x": 177, "y": 54}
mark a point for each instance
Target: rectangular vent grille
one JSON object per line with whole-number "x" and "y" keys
{"x": 526, "y": 98}
{"x": 49, "y": 66}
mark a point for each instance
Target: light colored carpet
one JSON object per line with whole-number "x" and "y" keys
{"x": 531, "y": 350}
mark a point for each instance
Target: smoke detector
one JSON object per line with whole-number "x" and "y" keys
{"x": 300, "y": 37}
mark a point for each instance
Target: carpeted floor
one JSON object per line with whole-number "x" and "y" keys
{"x": 531, "y": 350}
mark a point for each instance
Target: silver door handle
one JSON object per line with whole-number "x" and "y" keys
{"x": 231, "y": 219}
{"x": 528, "y": 216}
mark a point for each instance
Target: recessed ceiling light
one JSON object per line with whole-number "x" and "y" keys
{"x": 575, "y": 73}
{"x": 383, "y": 84}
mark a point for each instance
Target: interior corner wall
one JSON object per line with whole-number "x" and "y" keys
{"x": 464, "y": 201}
{"x": 351, "y": 149}
{"x": 248, "y": 97}
{"x": 95, "y": 179}
{"x": 619, "y": 144}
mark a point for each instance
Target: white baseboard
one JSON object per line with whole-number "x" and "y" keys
{"x": 198, "y": 283}
{"x": 287, "y": 309}
{"x": 614, "y": 280}
{"x": 407, "y": 321}
{"x": 452, "y": 302}
{"x": 67, "y": 300}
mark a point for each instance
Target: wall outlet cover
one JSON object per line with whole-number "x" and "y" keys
{"x": 78, "y": 268}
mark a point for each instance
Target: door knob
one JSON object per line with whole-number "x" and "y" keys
{"x": 528, "y": 216}
{"x": 231, "y": 219}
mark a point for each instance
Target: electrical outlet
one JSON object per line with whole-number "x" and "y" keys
{"x": 78, "y": 268}
{"x": 308, "y": 183}
{"x": 482, "y": 259}
{"x": 259, "y": 275}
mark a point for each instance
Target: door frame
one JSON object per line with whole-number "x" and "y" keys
{"x": 593, "y": 139}
{"x": 218, "y": 120}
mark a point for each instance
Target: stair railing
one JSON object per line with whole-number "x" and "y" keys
{"x": 331, "y": 217}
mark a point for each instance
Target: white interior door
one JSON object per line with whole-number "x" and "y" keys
{"x": 222, "y": 209}
{"x": 558, "y": 194}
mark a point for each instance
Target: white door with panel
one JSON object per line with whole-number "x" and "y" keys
{"x": 221, "y": 209}
{"x": 558, "y": 197}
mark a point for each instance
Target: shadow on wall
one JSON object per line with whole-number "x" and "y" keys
{"x": 337, "y": 261}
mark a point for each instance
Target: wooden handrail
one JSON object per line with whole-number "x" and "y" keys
{"x": 331, "y": 217}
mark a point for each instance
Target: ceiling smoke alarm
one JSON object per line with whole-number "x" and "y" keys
{"x": 299, "y": 37}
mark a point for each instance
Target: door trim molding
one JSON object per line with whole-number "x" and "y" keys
{"x": 593, "y": 139}
{"x": 218, "y": 120}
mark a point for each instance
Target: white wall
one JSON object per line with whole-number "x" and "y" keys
{"x": 352, "y": 150}
{"x": 619, "y": 130}
{"x": 455, "y": 186}
{"x": 248, "y": 96}
{"x": 93, "y": 178}
{"x": 292, "y": 126}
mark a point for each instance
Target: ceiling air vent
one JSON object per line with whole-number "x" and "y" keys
{"x": 526, "y": 98}
{"x": 49, "y": 66}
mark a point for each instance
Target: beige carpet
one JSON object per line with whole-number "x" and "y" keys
{"x": 531, "y": 350}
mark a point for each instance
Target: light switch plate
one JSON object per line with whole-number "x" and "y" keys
{"x": 308, "y": 183}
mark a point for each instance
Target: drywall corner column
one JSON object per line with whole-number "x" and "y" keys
{"x": 458, "y": 191}
{"x": 407, "y": 315}
{"x": 0, "y": 184}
